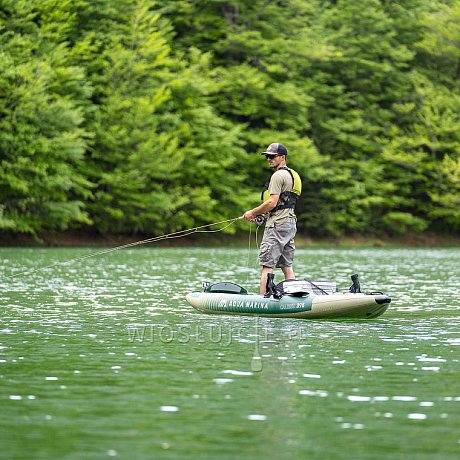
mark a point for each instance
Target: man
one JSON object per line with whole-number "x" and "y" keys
{"x": 277, "y": 246}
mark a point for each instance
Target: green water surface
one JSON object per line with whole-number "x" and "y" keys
{"x": 104, "y": 358}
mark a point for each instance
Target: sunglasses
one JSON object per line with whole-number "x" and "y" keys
{"x": 271, "y": 157}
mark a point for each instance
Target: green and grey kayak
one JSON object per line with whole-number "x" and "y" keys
{"x": 298, "y": 302}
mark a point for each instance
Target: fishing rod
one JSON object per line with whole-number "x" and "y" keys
{"x": 178, "y": 234}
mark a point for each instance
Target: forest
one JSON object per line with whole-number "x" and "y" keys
{"x": 141, "y": 117}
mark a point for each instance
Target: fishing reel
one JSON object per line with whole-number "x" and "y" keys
{"x": 259, "y": 220}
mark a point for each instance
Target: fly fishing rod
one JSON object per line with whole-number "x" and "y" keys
{"x": 178, "y": 234}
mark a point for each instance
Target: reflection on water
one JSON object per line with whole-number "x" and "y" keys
{"x": 106, "y": 356}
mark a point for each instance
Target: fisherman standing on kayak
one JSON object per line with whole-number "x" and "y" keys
{"x": 277, "y": 246}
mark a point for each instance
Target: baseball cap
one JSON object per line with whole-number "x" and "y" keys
{"x": 275, "y": 149}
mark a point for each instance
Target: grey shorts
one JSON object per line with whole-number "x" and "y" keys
{"x": 277, "y": 246}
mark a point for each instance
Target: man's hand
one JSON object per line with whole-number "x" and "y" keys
{"x": 265, "y": 207}
{"x": 249, "y": 216}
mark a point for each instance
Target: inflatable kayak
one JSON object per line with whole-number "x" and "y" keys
{"x": 291, "y": 299}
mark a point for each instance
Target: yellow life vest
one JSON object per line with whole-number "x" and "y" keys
{"x": 286, "y": 199}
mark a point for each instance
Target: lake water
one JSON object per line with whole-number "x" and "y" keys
{"x": 104, "y": 358}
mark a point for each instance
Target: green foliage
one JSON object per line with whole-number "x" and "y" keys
{"x": 42, "y": 139}
{"x": 401, "y": 222}
{"x": 141, "y": 116}
{"x": 159, "y": 146}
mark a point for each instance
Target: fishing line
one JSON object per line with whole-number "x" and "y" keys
{"x": 178, "y": 234}
{"x": 249, "y": 254}
{"x": 257, "y": 238}
{"x": 256, "y": 361}
{"x": 256, "y": 262}
{"x": 249, "y": 247}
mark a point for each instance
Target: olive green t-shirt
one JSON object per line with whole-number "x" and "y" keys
{"x": 281, "y": 181}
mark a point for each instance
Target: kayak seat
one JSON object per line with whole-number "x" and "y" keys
{"x": 294, "y": 288}
{"x": 224, "y": 287}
